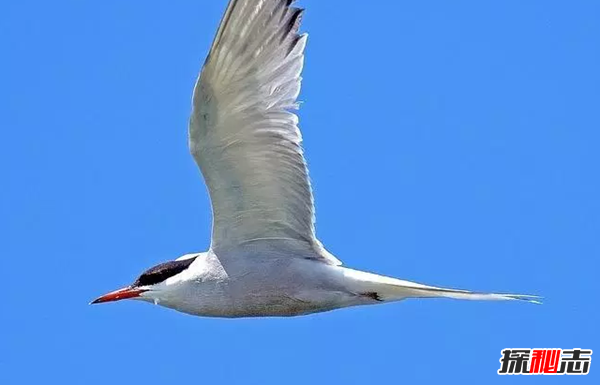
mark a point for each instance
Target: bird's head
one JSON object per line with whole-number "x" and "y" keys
{"x": 153, "y": 283}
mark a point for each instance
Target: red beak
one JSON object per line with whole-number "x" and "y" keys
{"x": 117, "y": 295}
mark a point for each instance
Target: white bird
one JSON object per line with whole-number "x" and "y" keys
{"x": 264, "y": 258}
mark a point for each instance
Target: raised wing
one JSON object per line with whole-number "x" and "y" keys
{"x": 243, "y": 135}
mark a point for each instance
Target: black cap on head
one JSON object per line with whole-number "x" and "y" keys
{"x": 161, "y": 272}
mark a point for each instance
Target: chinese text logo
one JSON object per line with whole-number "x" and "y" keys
{"x": 545, "y": 361}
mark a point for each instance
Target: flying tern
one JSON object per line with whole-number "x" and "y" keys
{"x": 264, "y": 258}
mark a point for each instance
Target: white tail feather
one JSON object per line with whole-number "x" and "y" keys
{"x": 392, "y": 289}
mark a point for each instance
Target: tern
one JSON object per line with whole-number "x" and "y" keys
{"x": 264, "y": 258}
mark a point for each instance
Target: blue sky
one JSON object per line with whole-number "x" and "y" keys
{"x": 450, "y": 143}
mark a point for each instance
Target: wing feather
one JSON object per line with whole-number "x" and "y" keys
{"x": 244, "y": 135}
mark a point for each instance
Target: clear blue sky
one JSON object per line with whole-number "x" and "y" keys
{"x": 451, "y": 143}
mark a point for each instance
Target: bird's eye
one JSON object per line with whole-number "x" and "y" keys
{"x": 148, "y": 279}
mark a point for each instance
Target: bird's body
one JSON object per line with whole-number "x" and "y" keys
{"x": 264, "y": 259}
{"x": 275, "y": 285}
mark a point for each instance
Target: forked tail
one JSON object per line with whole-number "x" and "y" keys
{"x": 391, "y": 289}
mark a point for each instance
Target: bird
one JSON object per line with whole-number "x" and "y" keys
{"x": 264, "y": 258}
